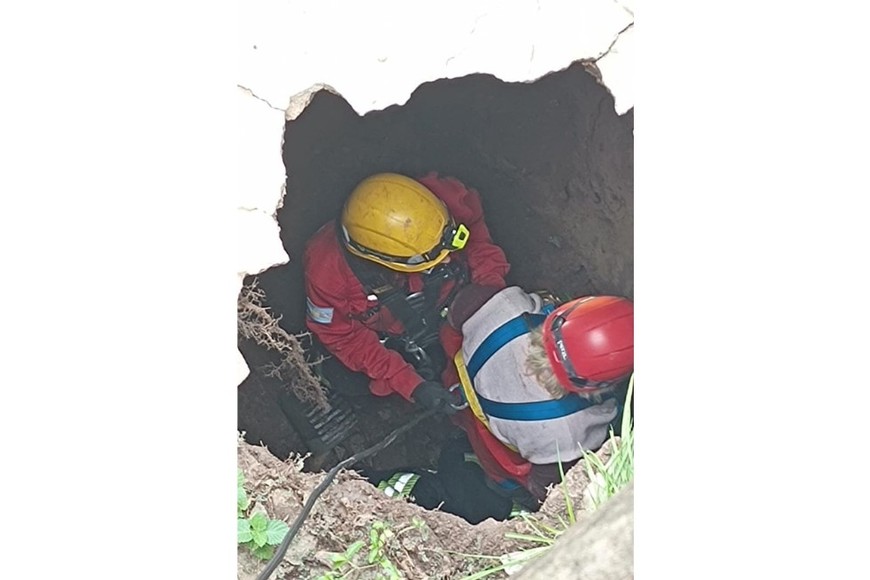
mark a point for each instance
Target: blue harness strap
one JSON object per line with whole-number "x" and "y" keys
{"x": 531, "y": 411}
{"x": 537, "y": 410}
{"x": 502, "y": 335}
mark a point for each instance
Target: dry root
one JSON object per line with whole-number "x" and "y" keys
{"x": 257, "y": 323}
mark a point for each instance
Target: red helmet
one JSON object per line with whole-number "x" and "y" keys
{"x": 590, "y": 342}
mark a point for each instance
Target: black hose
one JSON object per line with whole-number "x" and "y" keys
{"x": 282, "y": 549}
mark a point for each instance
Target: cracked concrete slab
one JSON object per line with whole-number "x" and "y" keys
{"x": 375, "y": 55}
{"x": 250, "y": 92}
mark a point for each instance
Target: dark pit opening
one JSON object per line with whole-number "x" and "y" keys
{"x": 553, "y": 163}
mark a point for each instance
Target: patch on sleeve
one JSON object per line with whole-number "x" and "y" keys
{"x": 318, "y": 314}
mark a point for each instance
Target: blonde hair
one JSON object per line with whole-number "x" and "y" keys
{"x": 538, "y": 365}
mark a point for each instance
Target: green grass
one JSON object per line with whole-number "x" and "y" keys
{"x": 606, "y": 479}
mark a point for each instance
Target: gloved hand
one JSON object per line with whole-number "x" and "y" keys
{"x": 431, "y": 395}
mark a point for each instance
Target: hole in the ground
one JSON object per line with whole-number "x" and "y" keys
{"x": 553, "y": 163}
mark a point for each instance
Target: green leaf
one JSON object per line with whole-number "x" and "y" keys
{"x": 259, "y": 537}
{"x": 243, "y": 499}
{"x": 391, "y": 569}
{"x": 259, "y": 522}
{"x": 264, "y": 552}
{"x": 241, "y": 478}
{"x": 244, "y": 531}
{"x": 275, "y": 531}
{"x": 353, "y": 549}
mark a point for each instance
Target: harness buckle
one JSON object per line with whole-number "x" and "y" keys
{"x": 412, "y": 348}
{"x": 460, "y": 397}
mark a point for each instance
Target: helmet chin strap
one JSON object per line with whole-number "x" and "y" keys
{"x": 446, "y": 260}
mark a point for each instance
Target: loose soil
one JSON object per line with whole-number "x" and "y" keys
{"x": 443, "y": 546}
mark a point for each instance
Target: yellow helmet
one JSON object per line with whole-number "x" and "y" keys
{"x": 399, "y": 223}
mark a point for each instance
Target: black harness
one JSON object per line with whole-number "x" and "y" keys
{"x": 420, "y": 313}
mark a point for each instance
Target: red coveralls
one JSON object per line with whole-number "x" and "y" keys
{"x": 338, "y": 300}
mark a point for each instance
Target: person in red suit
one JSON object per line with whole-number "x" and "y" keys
{"x": 380, "y": 281}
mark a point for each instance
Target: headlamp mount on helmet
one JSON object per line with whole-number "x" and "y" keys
{"x": 454, "y": 238}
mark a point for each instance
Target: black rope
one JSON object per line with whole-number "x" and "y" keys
{"x": 282, "y": 549}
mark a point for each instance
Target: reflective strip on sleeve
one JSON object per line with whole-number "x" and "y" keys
{"x": 399, "y": 484}
{"x": 319, "y": 314}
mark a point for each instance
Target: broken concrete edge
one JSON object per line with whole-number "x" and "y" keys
{"x": 301, "y": 100}
{"x": 614, "y": 70}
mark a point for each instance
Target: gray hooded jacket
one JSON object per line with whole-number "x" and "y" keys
{"x": 504, "y": 378}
